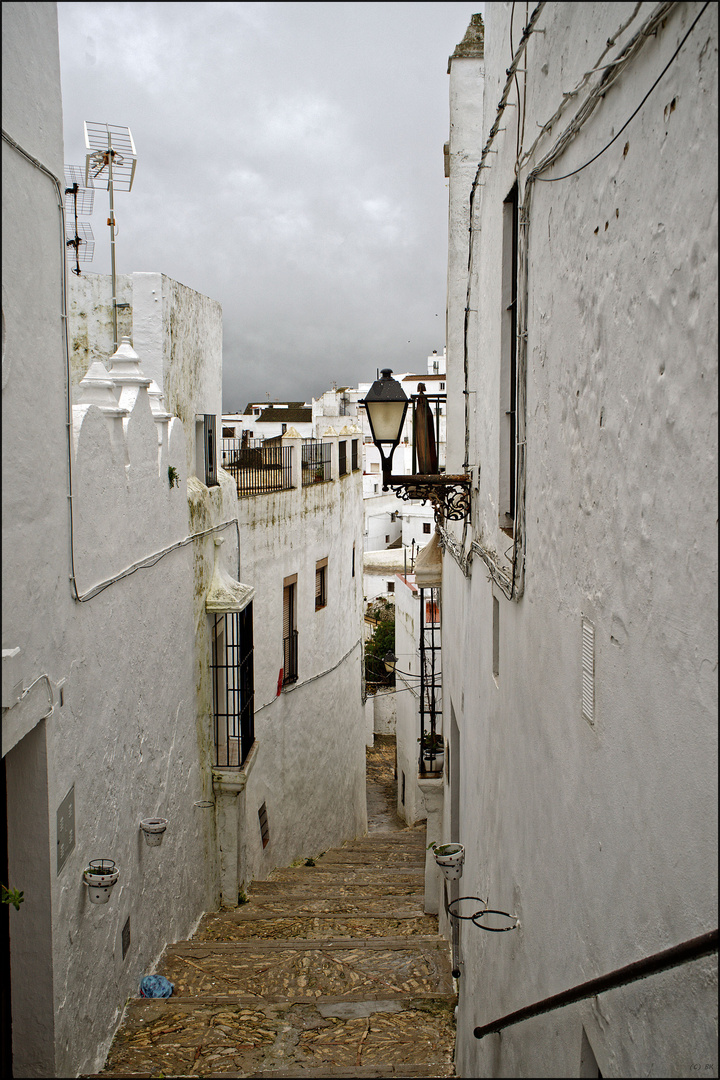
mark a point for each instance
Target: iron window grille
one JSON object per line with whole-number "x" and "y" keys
{"x": 233, "y": 686}
{"x": 316, "y": 462}
{"x": 257, "y": 466}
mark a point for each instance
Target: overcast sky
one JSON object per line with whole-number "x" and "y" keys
{"x": 290, "y": 165}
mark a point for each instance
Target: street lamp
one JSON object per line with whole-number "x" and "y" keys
{"x": 386, "y": 405}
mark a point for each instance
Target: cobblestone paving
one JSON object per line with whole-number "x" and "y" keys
{"x": 330, "y": 970}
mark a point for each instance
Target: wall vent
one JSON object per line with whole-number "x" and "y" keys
{"x": 264, "y": 827}
{"x": 588, "y": 671}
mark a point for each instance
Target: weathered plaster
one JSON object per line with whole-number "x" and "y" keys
{"x": 601, "y": 838}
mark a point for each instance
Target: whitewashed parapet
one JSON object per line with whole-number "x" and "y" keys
{"x": 293, "y": 439}
{"x": 124, "y": 506}
{"x": 331, "y": 436}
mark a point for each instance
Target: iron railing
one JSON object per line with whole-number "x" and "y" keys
{"x": 233, "y": 686}
{"x": 290, "y": 658}
{"x": 259, "y": 467}
{"x": 316, "y": 462}
{"x": 431, "y": 738}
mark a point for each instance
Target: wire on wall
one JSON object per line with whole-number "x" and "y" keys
{"x": 149, "y": 560}
{"x": 512, "y": 584}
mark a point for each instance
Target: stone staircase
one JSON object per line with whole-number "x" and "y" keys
{"x": 331, "y": 969}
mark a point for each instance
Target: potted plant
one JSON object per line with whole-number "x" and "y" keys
{"x": 450, "y": 859}
{"x": 433, "y": 747}
{"x": 153, "y": 828}
{"x": 100, "y": 877}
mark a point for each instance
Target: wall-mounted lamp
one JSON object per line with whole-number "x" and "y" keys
{"x": 386, "y": 405}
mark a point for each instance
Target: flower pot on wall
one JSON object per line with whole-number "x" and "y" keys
{"x": 100, "y": 877}
{"x": 153, "y": 829}
{"x": 450, "y": 859}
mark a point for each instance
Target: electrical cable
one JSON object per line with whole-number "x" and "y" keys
{"x": 149, "y": 560}
{"x": 554, "y": 179}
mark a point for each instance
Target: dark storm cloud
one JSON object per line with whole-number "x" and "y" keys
{"x": 289, "y": 165}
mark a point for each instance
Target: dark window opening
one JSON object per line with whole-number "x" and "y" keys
{"x": 508, "y": 404}
{"x": 290, "y": 636}
{"x": 233, "y": 686}
{"x": 355, "y": 460}
{"x": 426, "y": 526}
{"x": 264, "y": 827}
{"x": 342, "y": 454}
{"x": 321, "y": 584}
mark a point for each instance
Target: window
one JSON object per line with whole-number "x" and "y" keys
{"x": 353, "y": 561}
{"x": 354, "y": 457}
{"x": 496, "y": 638}
{"x": 387, "y": 539}
{"x": 508, "y": 363}
{"x": 375, "y": 489}
{"x": 442, "y": 385}
{"x": 290, "y": 636}
{"x": 284, "y": 428}
{"x": 264, "y": 827}
{"x": 321, "y": 584}
{"x": 426, "y": 526}
{"x": 391, "y": 586}
{"x": 205, "y": 449}
{"x": 342, "y": 457}
{"x": 231, "y": 636}
{"x": 228, "y": 433}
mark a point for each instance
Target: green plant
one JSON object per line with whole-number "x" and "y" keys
{"x": 12, "y": 896}
{"x": 173, "y": 476}
{"x": 444, "y": 849}
{"x": 432, "y": 742}
{"x": 242, "y": 898}
{"x": 309, "y": 862}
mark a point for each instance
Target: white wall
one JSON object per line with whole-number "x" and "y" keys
{"x": 310, "y": 769}
{"x": 601, "y": 837}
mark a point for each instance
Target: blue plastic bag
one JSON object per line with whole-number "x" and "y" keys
{"x": 156, "y": 986}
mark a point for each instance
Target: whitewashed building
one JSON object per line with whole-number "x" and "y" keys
{"x": 121, "y": 607}
{"x": 579, "y": 601}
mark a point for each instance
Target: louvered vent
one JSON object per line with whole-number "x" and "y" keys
{"x": 588, "y": 671}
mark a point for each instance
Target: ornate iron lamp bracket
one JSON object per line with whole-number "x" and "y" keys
{"x": 449, "y": 495}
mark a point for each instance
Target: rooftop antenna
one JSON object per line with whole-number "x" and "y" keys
{"x": 79, "y": 199}
{"x": 110, "y": 159}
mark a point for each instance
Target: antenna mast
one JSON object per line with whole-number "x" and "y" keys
{"x": 110, "y": 157}
{"x": 79, "y": 199}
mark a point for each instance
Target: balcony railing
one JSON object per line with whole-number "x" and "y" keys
{"x": 316, "y": 463}
{"x": 259, "y": 467}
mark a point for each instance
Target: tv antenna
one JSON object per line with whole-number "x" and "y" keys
{"x": 110, "y": 159}
{"x": 79, "y": 199}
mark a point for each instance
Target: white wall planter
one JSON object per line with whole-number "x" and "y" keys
{"x": 450, "y": 859}
{"x": 153, "y": 829}
{"x": 100, "y": 877}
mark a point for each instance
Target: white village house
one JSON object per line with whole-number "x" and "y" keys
{"x": 122, "y": 613}
{"x": 579, "y": 617}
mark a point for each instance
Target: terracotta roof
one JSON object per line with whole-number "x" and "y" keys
{"x": 425, "y": 378}
{"x": 294, "y": 414}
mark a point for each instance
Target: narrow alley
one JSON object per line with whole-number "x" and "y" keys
{"x": 331, "y": 969}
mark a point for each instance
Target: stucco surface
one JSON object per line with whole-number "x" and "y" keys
{"x": 601, "y": 837}
{"x": 310, "y": 770}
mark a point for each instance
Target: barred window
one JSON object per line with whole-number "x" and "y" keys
{"x": 233, "y": 685}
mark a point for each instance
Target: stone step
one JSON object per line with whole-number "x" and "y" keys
{"x": 228, "y": 926}
{"x": 326, "y": 904}
{"x": 406, "y": 1036}
{"x": 310, "y": 970}
{"x": 373, "y": 856}
{"x": 331, "y": 887}
{"x": 352, "y": 875}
